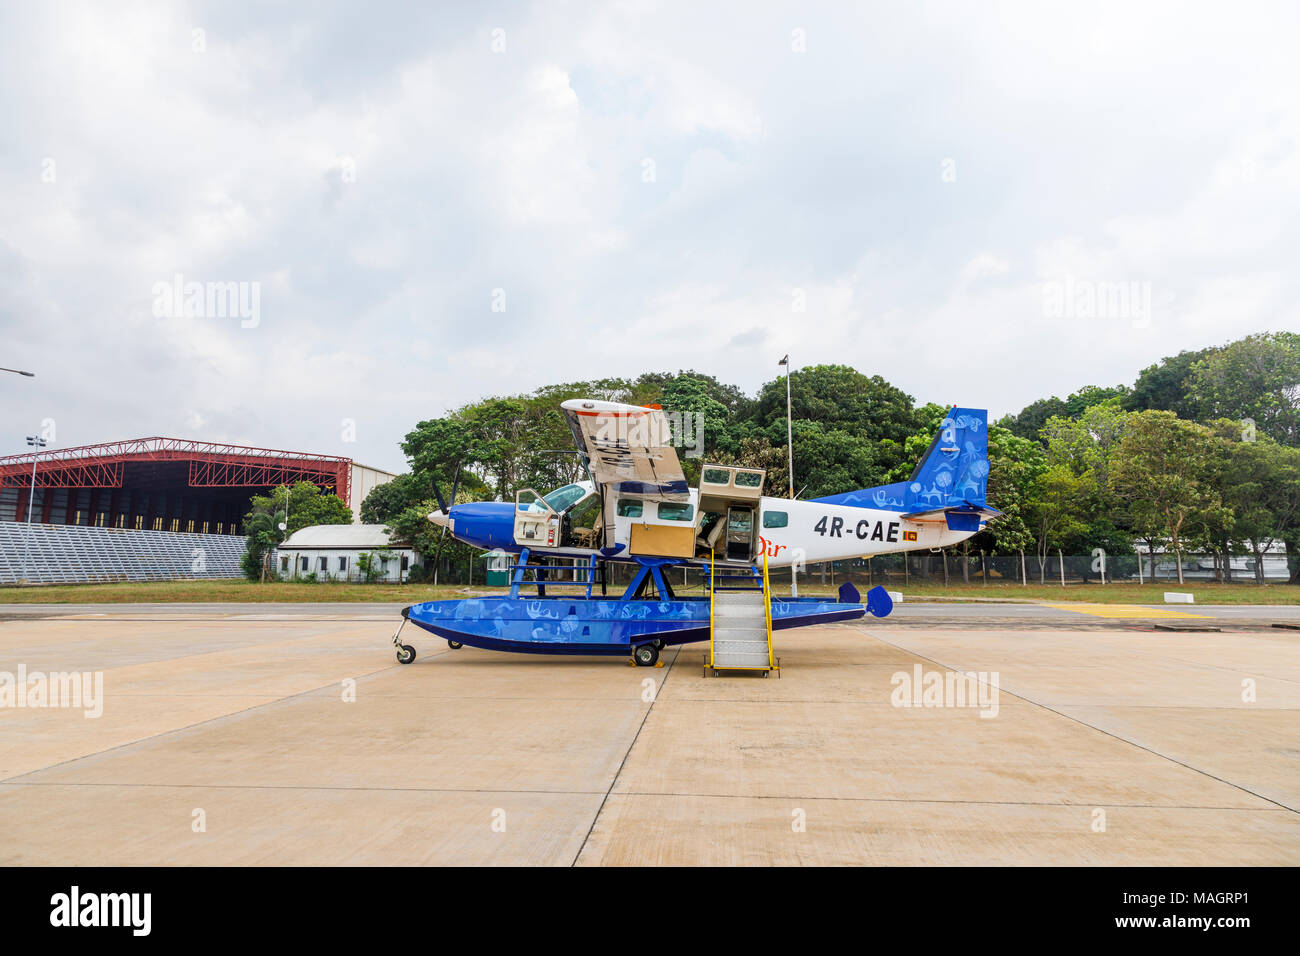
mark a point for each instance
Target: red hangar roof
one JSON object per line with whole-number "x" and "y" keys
{"x": 211, "y": 465}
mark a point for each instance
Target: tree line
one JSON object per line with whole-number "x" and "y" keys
{"x": 1201, "y": 454}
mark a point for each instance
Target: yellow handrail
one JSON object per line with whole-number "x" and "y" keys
{"x": 767, "y": 609}
{"x": 712, "y": 562}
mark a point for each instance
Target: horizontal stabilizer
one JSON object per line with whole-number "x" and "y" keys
{"x": 984, "y": 512}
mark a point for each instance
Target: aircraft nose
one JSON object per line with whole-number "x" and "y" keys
{"x": 443, "y": 519}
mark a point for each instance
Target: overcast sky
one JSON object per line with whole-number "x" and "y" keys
{"x": 928, "y": 191}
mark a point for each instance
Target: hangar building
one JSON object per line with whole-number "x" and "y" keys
{"x": 167, "y": 485}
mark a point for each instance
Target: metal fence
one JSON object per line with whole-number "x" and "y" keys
{"x": 72, "y": 554}
{"x": 953, "y": 569}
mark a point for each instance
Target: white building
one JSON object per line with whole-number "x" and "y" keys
{"x": 331, "y": 552}
{"x": 1200, "y": 567}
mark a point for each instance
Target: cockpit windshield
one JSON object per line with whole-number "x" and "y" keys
{"x": 563, "y": 498}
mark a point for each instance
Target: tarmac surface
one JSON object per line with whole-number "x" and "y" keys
{"x": 288, "y": 734}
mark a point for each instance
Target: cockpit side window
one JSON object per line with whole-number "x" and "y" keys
{"x": 672, "y": 511}
{"x": 629, "y": 508}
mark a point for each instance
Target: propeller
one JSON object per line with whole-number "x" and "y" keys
{"x": 437, "y": 493}
{"x": 443, "y": 507}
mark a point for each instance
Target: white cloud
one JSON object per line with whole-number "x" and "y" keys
{"x": 380, "y": 171}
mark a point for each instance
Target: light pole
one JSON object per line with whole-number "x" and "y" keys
{"x": 284, "y": 526}
{"x": 33, "y": 441}
{"x": 789, "y": 442}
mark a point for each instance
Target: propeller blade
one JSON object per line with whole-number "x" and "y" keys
{"x": 455, "y": 483}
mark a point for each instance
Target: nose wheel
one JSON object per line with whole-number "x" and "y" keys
{"x": 405, "y": 654}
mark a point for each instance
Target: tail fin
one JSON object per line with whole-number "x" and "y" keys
{"x": 952, "y": 475}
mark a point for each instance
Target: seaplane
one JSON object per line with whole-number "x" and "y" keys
{"x": 637, "y": 508}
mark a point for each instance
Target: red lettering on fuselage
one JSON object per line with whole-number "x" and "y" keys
{"x": 769, "y": 548}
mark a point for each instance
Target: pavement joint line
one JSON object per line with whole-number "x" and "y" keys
{"x": 980, "y": 803}
{"x": 885, "y": 703}
{"x": 181, "y": 656}
{"x": 173, "y": 730}
{"x": 630, "y": 793}
{"x": 485, "y": 697}
{"x": 283, "y": 786}
{"x": 1231, "y": 670}
{"x": 1114, "y": 736}
{"x": 622, "y": 763}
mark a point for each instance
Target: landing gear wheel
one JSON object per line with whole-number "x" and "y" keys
{"x": 455, "y": 645}
{"x": 660, "y": 644}
{"x": 646, "y": 655}
{"x": 405, "y": 654}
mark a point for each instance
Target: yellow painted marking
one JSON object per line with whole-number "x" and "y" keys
{"x": 1123, "y": 610}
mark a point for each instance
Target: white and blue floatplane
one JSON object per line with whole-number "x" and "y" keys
{"x": 637, "y": 508}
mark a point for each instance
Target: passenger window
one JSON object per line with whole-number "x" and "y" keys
{"x": 775, "y": 519}
{"x": 629, "y": 508}
{"x": 668, "y": 511}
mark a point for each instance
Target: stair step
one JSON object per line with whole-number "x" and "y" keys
{"x": 754, "y": 659}
{"x": 745, "y": 596}
{"x": 747, "y": 622}
{"x": 740, "y": 647}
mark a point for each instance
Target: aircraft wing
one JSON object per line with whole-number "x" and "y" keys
{"x": 628, "y": 449}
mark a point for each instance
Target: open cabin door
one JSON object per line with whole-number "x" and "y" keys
{"x": 537, "y": 524}
{"x": 729, "y": 501}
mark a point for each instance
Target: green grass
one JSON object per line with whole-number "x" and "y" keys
{"x": 245, "y": 592}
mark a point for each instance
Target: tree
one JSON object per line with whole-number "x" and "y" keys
{"x": 262, "y": 536}
{"x": 307, "y": 506}
{"x": 1016, "y": 465}
{"x": 837, "y": 398}
{"x": 371, "y": 563}
{"x": 1031, "y": 420}
{"x": 1164, "y": 471}
{"x": 1165, "y": 386}
{"x": 1087, "y": 445}
{"x": 1263, "y": 491}
{"x": 702, "y": 423}
{"x": 1034, "y": 416}
{"x": 391, "y": 498}
{"x": 1257, "y": 377}
{"x": 1053, "y": 511}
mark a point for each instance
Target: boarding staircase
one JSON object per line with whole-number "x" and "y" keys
{"x": 740, "y": 622}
